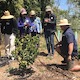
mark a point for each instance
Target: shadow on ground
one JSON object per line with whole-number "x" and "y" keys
{"x": 59, "y": 70}
{"x": 23, "y": 74}
{"x": 61, "y": 66}
{"x": 43, "y": 54}
{"x": 4, "y": 61}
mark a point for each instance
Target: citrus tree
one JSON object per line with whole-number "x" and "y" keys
{"x": 26, "y": 50}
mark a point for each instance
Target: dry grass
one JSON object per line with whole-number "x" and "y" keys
{"x": 43, "y": 67}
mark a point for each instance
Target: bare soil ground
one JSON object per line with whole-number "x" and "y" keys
{"x": 44, "y": 68}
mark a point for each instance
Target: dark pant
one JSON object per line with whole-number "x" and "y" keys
{"x": 21, "y": 31}
{"x": 36, "y": 34}
{"x": 50, "y": 42}
{"x": 33, "y": 34}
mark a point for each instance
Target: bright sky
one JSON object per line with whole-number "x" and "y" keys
{"x": 62, "y": 5}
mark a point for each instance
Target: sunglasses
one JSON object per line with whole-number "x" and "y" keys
{"x": 61, "y": 26}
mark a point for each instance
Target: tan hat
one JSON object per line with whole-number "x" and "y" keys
{"x": 48, "y": 8}
{"x": 7, "y": 15}
{"x": 63, "y": 22}
{"x": 23, "y": 11}
{"x": 32, "y": 12}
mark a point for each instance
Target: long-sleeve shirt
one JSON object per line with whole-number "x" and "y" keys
{"x": 8, "y": 26}
{"x": 22, "y": 24}
{"x": 36, "y": 25}
{"x": 51, "y": 25}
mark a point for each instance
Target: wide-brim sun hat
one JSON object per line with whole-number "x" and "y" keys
{"x": 23, "y": 11}
{"x": 63, "y": 22}
{"x": 32, "y": 12}
{"x": 7, "y": 15}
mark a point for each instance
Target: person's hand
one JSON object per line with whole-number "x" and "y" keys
{"x": 57, "y": 45}
{"x": 25, "y": 26}
{"x": 69, "y": 57}
{"x": 47, "y": 20}
{"x": 32, "y": 27}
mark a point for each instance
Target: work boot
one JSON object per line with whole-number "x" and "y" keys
{"x": 64, "y": 61}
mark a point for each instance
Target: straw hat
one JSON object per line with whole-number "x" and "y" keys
{"x": 63, "y": 22}
{"x": 7, "y": 15}
{"x": 48, "y": 8}
{"x": 23, "y": 11}
{"x": 32, "y": 12}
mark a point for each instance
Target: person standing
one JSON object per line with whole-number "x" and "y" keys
{"x": 8, "y": 26}
{"x": 67, "y": 47}
{"x": 49, "y": 29}
{"x": 36, "y": 25}
{"x": 23, "y": 23}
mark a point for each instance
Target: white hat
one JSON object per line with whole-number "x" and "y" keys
{"x": 7, "y": 15}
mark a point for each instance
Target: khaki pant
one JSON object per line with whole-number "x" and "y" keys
{"x": 72, "y": 62}
{"x": 9, "y": 44}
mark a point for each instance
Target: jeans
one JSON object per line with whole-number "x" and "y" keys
{"x": 50, "y": 42}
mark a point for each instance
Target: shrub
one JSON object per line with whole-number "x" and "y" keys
{"x": 26, "y": 50}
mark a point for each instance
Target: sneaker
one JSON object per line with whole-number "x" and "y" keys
{"x": 11, "y": 58}
{"x": 52, "y": 54}
{"x": 48, "y": 55}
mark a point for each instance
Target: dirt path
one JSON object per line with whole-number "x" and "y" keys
{"x": 44, "y": 68}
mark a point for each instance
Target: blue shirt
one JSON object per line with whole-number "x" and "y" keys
{"x": 21, "y": 24}
{"x": 67, "y": 38}
{"x": 36, "y": 25}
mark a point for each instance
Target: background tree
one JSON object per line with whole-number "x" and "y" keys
{"x": 12, "y": 5}
{"x": 43, "y": 4}
{"x": 74, "y": 10}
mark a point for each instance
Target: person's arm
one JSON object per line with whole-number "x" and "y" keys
{"x": 70, "y": 50}
{"x": 39, "y": 25}
{"x": 58, "y": 44}
{"x": 70, "y": 40}
{"x": 52, "y": 19}
{"x": 45, "y": 21}
{"x": 2, "y": 25}
{"x": 15, "y": 26}
{"x": 20, "y": 24}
